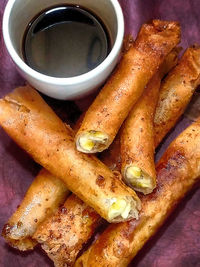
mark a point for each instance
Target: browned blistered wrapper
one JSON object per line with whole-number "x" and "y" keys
{"x": 137, "y": 140}
{"x": 176, "y": 92}
{"x": 35, "y": 127}
{"x": 43, "y": 197}
{"x": 177, "y": 172}
{"x": 137, "y": 134}
{"x": 112, "y": 105}
{"x": 63, "y": 235}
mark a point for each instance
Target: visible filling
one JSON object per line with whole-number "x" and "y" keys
{"x": 137, "y": 178}
{"x": 93, "y": 141}
{"x": 119, "y": 207}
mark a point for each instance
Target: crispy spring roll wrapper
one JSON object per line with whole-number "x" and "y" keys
{"x": 33, "y": 125}
{"x": 176, "y": 92}
{"x": 43, "y": 197}
{"x": 63, "y": 235}
{"x": 177, "y": 172}
{"x": 137, "y": 135}
{"x": 112, "y": 105}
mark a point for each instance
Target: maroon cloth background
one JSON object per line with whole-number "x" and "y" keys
{"x": 178, "y": 241}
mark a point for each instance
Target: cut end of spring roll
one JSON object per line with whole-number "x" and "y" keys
{"x": 138, "y": 179}
{"x": 63, "y": 234}
{"x": 123, "y": 209}
{"x": 22, "y": 244}
{"x": 92, "y": 141}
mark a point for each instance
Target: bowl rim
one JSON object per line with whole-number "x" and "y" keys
{"x": 70, "y": 80}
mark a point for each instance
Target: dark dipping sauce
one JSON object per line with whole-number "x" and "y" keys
{"x": 65, "y": 41}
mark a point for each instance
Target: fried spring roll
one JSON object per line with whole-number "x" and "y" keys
{"x": 137, "y": 135}
{"x": 176, "y": 92}
{"x": 43, "y": 197}
{"x": 177, "y": 171}
{"x": 31, "y": 122}
{"x": 112, "y": 105}
{"x": 62, "y": 235}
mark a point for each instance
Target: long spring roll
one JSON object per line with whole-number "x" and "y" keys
{"x": 137, "y": 135}
{"x": 62, "y": 235}
{"x": 43, "y": 197}
{"x": 176, "y": 92}
{"x": 112, "y": 105}
{"x": 46, "y": 138}
{"x": 177, "y": 172}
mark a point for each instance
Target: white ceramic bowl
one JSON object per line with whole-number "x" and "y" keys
{"x": 17, "y": 15}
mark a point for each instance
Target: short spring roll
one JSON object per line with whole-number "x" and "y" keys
{"x": 63, "y": 234}
{"x": 33, "y": 125}
{"x": 43, "y": 197}
{"x": 137, "y": 135}
{"x": 112, "y": 105}
{"x": 177, "y": 172}
{"x": 176, "y": 92}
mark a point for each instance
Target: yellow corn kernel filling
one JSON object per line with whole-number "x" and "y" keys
{"x": 86, "y": 143}
{"x": 91, "y": 139}
{"x": 135, "y": 176}
{"x": 134, "y": 172}
{"x": 119, "y": 208}
{"x": 97, "y": 134}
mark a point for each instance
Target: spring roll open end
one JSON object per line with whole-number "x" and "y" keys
{"x": 138, "y": 179}
{"x": 92, "y": 142}
{"x": 22, "y": 244}
{"x": 123, "y": 209}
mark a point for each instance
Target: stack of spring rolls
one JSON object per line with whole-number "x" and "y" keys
{"x": 129, "y": 118}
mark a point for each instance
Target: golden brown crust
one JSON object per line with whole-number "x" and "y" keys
{"x": 176, "y": 92}
{"x": 137, "y": 138}
{"x": 177, "y": 171}
{"x": 112, "y": 105}
{"x": 30, "y": 122}
{"x": 137, "y": 135}
{"x": 63, "y": 234}
{"x": 43, "y": 197}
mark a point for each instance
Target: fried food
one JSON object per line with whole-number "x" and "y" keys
{"x": 112, "y": 105}
{"x": 63, "y": 234}
{"x": 137, "y": 135}
{"x": 177, "y": 172}
{"x": 176, "y": 92}
{"x": 43, "y": 197}
{"x": 32, "y": 124}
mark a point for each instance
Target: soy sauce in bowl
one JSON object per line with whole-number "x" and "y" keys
{"x": 65, "y": 41}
